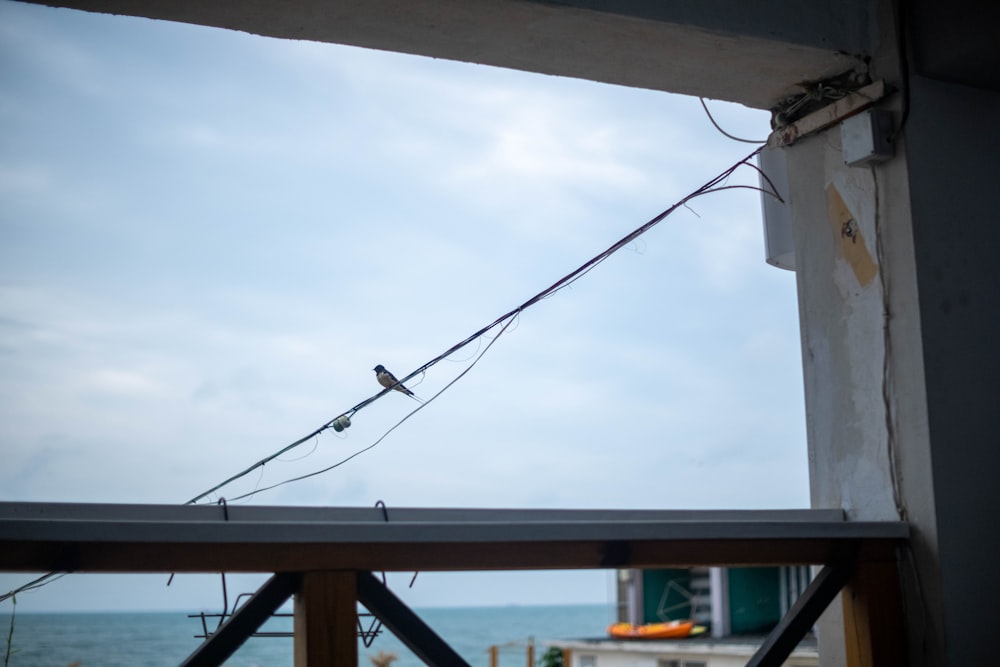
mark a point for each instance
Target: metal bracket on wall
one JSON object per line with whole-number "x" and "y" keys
{"x": 829, "y": 115}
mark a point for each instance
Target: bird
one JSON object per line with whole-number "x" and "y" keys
{"x": 389, "y": 381}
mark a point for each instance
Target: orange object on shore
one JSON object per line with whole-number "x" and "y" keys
{"x": 667, "y": 630}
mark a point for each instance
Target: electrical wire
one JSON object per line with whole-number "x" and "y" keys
{"x": 264, "y": 461}
{"x": 33, "y": 584}
{"x": 716, "y": 184}
{"x": 386, "y": 434}
{"x": 726, "y": 134}
{"x": 260, "y": 477}
{"x": 306, "y": 455}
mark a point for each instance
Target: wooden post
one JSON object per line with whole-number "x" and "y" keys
{"x": 873, "y": 616}
{"x": 531, "y": 652}
{"x": 567, "y": 657}
{"x": 326, "y": 620}
{"x": 494, "y": 657}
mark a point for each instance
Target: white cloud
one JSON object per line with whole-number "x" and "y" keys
{"x": 204, "y": 280}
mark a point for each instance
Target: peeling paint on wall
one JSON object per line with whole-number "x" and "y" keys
{"x": 850, "y": 239}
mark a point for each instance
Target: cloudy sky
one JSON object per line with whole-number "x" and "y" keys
{"x": 208, "y": 239}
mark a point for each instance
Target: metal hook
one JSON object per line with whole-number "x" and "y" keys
{"x": 385, "y": 515}
{"x": 225, "y": 507}
{"x": 225, "y": 602}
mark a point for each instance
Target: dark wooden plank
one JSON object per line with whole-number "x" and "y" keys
{"x": 801, "y": 617}
{"x": 313, "y": 514}
{"x": 404, "y": 556}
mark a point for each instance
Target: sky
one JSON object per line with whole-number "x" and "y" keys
{"x": 208, "y": 239}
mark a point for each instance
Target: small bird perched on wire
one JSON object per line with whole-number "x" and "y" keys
{"x": 389, "y": 381}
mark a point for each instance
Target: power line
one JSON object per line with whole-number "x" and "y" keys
{"x": 716, "y": 184}
{"x": 33, "y": 584}
{"x": 723, "y": 132}
{"x": 393, "y": 428}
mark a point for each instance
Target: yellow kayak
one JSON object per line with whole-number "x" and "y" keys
{"x": 667, "y": 630}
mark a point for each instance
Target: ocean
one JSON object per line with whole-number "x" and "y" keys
{"x": 165, "y": 639}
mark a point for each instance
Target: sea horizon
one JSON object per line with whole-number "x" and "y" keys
{"x": 170, "y": 610}
{"x": 155, "y": 638}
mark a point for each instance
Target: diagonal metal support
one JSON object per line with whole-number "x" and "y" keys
{"x": 244, "y": 621}
{"x": 407, "y": 626}
{"x": 802, "y": 616}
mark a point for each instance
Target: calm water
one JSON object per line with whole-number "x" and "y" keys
{"x": 166, "y": 639}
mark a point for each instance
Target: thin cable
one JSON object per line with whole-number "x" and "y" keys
{"x": 386, "y": 434}
{"x": 887, "y": 375}
{"x": 306, "y": 455}
{"x": 10, "y": 634}
{"x": 711, "y": 118}
{"x": 265, "y": 461}
{"x": 710, "y": 187}
{"x": 260, "y": 477}
{"x": 33, "y": 584}
{"x": 479, "y": 345}
{"x": 713, "y": 185}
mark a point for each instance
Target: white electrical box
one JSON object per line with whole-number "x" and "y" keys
{"x": 864, "y": 137}
{"x": 779, "y": 245}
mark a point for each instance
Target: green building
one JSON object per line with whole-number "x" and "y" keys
{"x": 729, "y": 601}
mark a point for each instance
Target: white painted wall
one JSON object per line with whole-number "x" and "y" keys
{"x": 648, "y": 654}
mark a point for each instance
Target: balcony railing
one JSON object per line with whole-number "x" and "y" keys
{"x": 325, "y": 556}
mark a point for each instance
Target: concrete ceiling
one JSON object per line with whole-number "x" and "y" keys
{"x": 754, "y": 53}
{"x": 751, "y": 53}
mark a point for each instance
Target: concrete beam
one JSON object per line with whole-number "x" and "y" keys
{"x": 720, "y": 49}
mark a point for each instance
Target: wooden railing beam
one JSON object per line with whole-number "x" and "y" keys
{"x": 873, "y": 616}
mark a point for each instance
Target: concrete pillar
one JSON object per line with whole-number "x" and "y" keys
{"x": 899, "y": 295}
{"x": 953, "y": 144}
{"x": 847, "y": 349}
